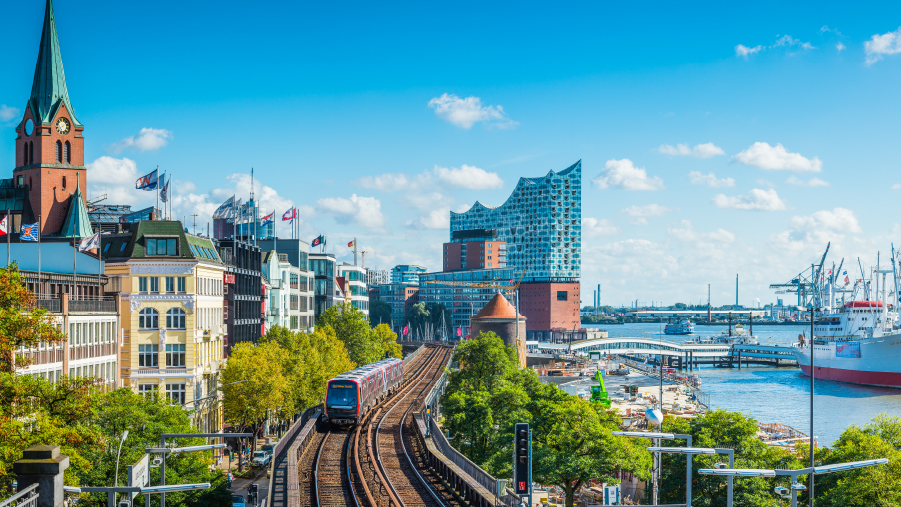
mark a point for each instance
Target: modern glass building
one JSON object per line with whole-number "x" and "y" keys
{"x": 541, "y": 223}
{"x": 406, "y": 273}
{"x": 463, "y": 301}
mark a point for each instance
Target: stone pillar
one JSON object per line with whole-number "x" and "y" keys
{"x": 44, "y": 465}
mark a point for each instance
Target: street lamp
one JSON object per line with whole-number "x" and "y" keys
{"x": 795, "y": 485}
{"x": 656, "y": 437}
{"x": 689, "y": 451}
{"x": 118, "y": 453}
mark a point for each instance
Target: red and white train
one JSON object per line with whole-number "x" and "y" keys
{"x": 349, "y": 396}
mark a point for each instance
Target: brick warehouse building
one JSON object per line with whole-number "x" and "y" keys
{"x": 535, "y": 235}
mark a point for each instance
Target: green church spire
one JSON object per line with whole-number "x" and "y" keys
{"x": 78, "y": 224}
{"x": 49, "y": 88}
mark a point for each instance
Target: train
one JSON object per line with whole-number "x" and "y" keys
{"x": 350, "y": 395}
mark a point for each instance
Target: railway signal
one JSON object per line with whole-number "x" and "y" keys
{"x": 522, "y": 460}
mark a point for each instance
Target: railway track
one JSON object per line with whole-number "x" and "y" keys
{"x": 344, "y": 467}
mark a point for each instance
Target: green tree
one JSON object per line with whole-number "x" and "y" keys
{"x": 352, "y": 328}
{"x": 876, "y": 486}
{"x": 436, "y": 312}
{"x": 265, "y": 388}
{"x": 146, "y": 417}
{"x": 379, "y": 312}
{"x": 418, "y": 317}
{"x": 387, "y": 341}
{"x": 21, "y": 323}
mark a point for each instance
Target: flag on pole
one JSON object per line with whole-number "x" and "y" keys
{"x": 318, "y": 241}
{"x": 164, "y": 188}
{"x": 289, "y": 215}
{"x": 266, "y": 220}
{"x": 459, "y": 332}
{"x": 351, "y": 244}
{"x": 4, "y": 225}
{"x": 90, "y": 243}
{"x": 29, "y": 232}
{"x": 147, "y": 182}
{"x": 405, "y": 330}
{"x": 847, "y": 281}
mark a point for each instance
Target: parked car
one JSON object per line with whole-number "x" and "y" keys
{"x": 268, "y": 447}
{"x": 261, "y": 459}
{"x": 238, "y": 501}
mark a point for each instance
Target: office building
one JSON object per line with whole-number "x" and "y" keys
{"x": 290, "y": 293}
{"x": 171, "y": 288}
{"x": 400, "y": 296}
{"x": 406, "y": 273}
{"x": 476, "y": 252}
{"x": 352, "y": 281}
{"x": 376, "y": 277}
{"x": 244, "y": 219}
{"x": 463, "y": 301}
{"x": 244, "y": 296}
{"x": 326, "y": 292}
{"x": 107, "y": 217}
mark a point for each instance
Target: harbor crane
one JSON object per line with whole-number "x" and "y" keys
{"x": 808, "y": 284}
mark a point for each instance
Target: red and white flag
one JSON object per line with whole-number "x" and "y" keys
{"x": 4, "y": 227}
{"x": 289, "y": 215}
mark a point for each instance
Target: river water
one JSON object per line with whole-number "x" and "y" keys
{"x": 780, "y": 395}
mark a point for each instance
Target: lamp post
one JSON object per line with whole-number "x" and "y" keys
{"x": 165, "y": 450}
{"x": 667, "y": 436}
{"x": 826, "y": 469}
{"x": 810, "y": 305}
{"x": 689, "y": 451}
{"x": 118, "y": 453}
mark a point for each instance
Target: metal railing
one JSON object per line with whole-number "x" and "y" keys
{"x": 51, "y": 305}
{"x": 89, "y": 306}
{"x": 414, "y": 355}
{"x": 28, "y": 497}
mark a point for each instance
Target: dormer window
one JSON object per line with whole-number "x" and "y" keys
{"x": 161, "y": 246}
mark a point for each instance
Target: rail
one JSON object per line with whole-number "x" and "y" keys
{"x": 28, "y": 497}
{"x": 414, "y": 355}
{"x": 286, "y": 449}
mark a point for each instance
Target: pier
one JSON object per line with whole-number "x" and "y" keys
{"x": 681, "y": 356}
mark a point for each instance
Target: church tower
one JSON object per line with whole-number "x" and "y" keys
{"x": 49, "y": 142}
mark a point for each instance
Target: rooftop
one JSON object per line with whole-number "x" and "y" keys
{"x": 498, "y": 308}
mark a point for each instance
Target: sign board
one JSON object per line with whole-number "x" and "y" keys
{"x": 139, "y": 474}
{"x": 847, "y": 349}
{"x": 594, "y": 356}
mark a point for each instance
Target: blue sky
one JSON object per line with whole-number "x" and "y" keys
{"x": 376, "y": 120}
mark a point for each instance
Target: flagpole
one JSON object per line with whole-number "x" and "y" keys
{"x": 157, "y": 189}
{"x": 8, "y": 232}
{"x": 99, "y": 263}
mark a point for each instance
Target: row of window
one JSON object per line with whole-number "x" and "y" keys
{"x": 106, "y": 371}
{"x": 148, "y": 284}
{"x": 174, "y": 392}
{"x": 149, "y": 318}
{"x": 148, "y": 355}
{"x": 92, "y": 333}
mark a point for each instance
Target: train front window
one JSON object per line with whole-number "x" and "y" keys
{"x": 341, "y": 394}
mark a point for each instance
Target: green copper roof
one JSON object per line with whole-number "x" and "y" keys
{"x": 78, "y": 225}
{"x": 49, "y": 88}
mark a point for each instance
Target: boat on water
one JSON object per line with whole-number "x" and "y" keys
{"x": 858, "y": 344}
{"x": 678, "y": 326}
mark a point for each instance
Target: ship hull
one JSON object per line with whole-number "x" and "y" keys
{"x": 873, "y": 362}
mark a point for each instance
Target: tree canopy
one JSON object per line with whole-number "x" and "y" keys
{"x": 364, "y": 343}
{"x": 379, "y": 312}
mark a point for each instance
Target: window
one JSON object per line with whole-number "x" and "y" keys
{"x": 181, "y": 284}
{"x": 146, "y": 389}
{"x": 176, "y": 393}
{"x": 59, "y": 158}
{"x": 148, "y": 356}
{"x": 67, "y": 153}
{"x": 175, "y": 318}
{"x": 148, "y": 319}
{"x": 175, "y": 355}
{"x": 31, "y": 152}
{"x": 170, "y": 284}
{"x": 561, "y": 295}
{"x": 154, "y": 284}
{"x": 161, "y": 246}
{"x": 142, "y": 284}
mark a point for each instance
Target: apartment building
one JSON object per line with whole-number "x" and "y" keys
{"x": 290, "y": 296}
{"x": 353, "y": 283}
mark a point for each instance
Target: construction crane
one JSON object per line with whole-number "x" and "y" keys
{"x": 808, "y": 284}
{"x": 364, "y": 252}
{"x": 490, "y": 284}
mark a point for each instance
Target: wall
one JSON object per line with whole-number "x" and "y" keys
{"x": 542, "y": 309}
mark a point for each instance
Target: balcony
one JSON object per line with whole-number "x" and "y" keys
{"x": 273, "y": 312}
{"x": 106, "y": 305}
{"x": 163, "y": 371}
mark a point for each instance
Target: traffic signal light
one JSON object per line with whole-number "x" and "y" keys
{"x": 521, "y": 459}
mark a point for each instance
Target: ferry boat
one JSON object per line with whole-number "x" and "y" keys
{"x": 678, "y": 325}
{"x": 856, "y": 344}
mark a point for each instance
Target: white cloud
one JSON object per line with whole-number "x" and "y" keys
{"x": 896, "y": 186}
{"x": 880, "y": 45}
{"x": 788, "y": 41}
{"x": 8, "y": 112}
{"x": 639, "y": 221}
{"x": 705, "y": 150}
{"x": 839, "y": 46}
{"x": 386, "y": 182}
{"x": 363, "y": 211}
{"x": 839, "y": 221}
{"x": 466, "y": 112}
{"x": 813, "y": 182}
{"x": 592, "y": 227}
{"x": 145, "y": 140}
{"x": 467, "y": 176}
{"x": 757, "y": 199}
{"x": 777, "y": 158}
{"x": 685, "y": 232}
{"x": 743, "y": 51}
{"x": 710, "y": 180}
{"x": 765, "y": 183}
{"x": 650, "y": 210}
{"x": 623, "y": 174}
{"x": 436, "y": 219}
